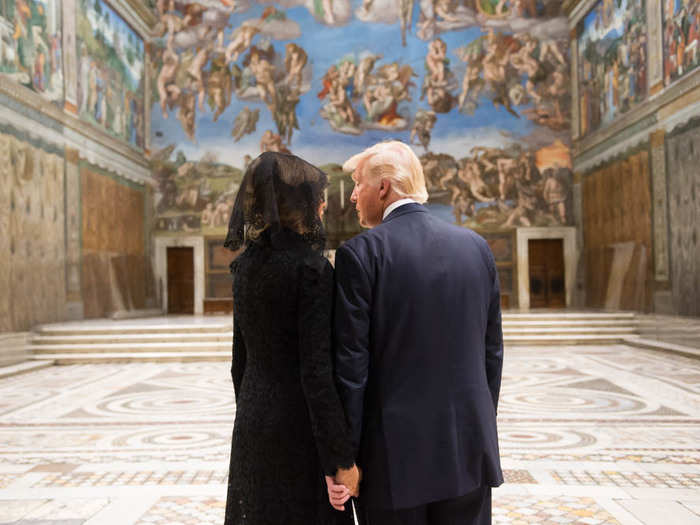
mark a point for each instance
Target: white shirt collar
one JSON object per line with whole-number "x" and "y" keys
{"x": 395, "y": 205}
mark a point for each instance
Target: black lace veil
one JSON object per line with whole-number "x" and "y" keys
{"x": 279, "y": 192}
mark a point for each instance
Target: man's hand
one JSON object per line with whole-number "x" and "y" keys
{"x": 350, "y": 478}
{"x": 337, "y": 494}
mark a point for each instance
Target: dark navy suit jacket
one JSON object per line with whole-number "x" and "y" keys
{"x": 418, "y": 355}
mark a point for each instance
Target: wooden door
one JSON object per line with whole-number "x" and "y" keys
{"x": 546, "y": 265}
{"x": 180, "y": 280}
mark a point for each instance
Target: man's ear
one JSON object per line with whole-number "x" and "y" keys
{"x": 384, "y": 189}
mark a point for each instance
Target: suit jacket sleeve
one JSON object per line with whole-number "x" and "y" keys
{"x": 239, "y": 358}
{"x": 352, "y": 319}
{"x": 494, "y": 333}
{"x": 316, "y": 365}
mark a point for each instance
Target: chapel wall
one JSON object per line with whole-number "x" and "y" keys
{"x": 73, "y": 92}
{"x": 636, "y": 77}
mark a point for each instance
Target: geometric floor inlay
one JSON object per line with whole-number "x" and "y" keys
{"x": 588, "y": 435}
{"x": 518, "y": 476}
{"x": 519, "y": 510}
{"x": 628, "y": 479}
{"x": 513, "y": 510}
{"x": 184, "y": 510}
{"x": 139, "y": 478}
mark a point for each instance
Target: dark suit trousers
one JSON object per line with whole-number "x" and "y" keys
{"x": 471, "y": 509}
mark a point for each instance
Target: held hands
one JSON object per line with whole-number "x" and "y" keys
{"x": 350, "y": 478}
{"x": 346, "y": 483}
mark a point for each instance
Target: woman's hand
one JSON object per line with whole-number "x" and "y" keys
{"x": 338, "y": 494}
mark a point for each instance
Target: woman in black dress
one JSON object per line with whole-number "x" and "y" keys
{"x": 290, "y": 427}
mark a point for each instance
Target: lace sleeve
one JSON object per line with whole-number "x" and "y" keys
{"x": 239, "y": 358}
{"x": 327, "y": 417}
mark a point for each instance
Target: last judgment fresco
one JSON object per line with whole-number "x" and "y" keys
{"x": 478, "y": 87}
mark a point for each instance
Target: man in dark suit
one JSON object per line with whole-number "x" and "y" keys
{"x": 419, "y": 351}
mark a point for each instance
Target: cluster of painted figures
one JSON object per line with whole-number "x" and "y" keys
{"x": 30, "y": 47}
{"x": 681, "y": 38}
{"x": 613, "y": 72}
{"x": 208, "y": 70}
{"x": 498, "y": 186}
{"x": 500, "y": 62}
{"x": 516, "y": 65}
{"x": 198, "y": 63}
{"x": 103, "y": 98}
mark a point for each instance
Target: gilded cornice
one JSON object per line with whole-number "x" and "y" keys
{"x": 644, "y": 115}
{"x": 47, "y": 119}
{"x": 145, "y": 13}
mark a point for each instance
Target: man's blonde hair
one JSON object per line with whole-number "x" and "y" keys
{"x": 395, "y": 161}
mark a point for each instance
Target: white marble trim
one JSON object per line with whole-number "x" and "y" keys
{"x": 88, "y": 149}
{"x": 161, "y": 268}
{"x": 668, "y": 125}
{"x": 523, "y": 235}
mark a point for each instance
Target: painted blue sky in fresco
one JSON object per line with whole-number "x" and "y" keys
{"x": 613, "y": 30}
{"x": 316, "y": 141}
{"x": 112, "y": 26}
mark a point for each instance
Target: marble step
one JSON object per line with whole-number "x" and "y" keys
{"x": 662, "y": 346}
{"x": 116, "y": 348}
{"x": 193, "y": 329}
{"x": 101, "y": 339}
{"x": 90, "y": 342}
{"x": 517, "y": 330}
{"x": 563, "y": 340}
{"x": 67, "y": 358}
{"x": 158, "y": 357}
{"x": 570, "y": 322}
{"x": 568, "y": 316}
{"x": 23, "y": 368}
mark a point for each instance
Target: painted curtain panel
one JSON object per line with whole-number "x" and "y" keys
{"x": 32, "y": 232}
{"x": 612, "y": 61}
{"x": 111, "y": 76}
{"x": 115, "y": 270}
{"x": 30, "y": 45}
{"x": 681, "y": 38}
{"x": 479, "y": 88}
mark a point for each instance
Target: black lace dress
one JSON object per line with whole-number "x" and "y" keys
{"x": 290, "y": 427}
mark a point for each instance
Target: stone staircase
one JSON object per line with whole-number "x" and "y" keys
{"x": 159, "y": 339}
{"x": 209, "y": 338}
{"x": 568, "y": 328}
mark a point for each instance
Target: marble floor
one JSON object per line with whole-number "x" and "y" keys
{"x": 588, "y": 435}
